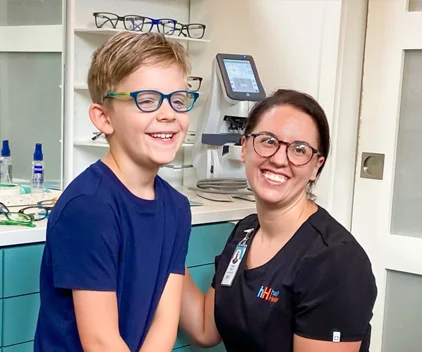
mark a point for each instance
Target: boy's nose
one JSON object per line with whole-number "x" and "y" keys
{"x": 166, "y": 112}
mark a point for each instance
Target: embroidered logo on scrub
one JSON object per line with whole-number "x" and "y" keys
{"x": 268, "y": 294}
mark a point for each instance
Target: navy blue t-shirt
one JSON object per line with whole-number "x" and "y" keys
{"x": 101, "y": 237}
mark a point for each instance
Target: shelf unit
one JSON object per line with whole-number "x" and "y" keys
{"x": 109, "y": 32}
{"x": 82, "y": 39}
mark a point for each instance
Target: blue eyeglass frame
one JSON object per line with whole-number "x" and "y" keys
{"x": 134, "y": 95}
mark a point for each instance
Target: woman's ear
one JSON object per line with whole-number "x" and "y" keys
{"x": 317, "y": 166}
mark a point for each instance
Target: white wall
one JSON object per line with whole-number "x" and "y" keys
{"x": 315, "y": 46}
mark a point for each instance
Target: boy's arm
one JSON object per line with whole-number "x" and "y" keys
{"x": 97, "y": 320}
{"x": 163, "y": 331}
{"x": 84, "y": 242}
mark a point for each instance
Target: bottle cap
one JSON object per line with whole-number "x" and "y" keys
{"x": 5, "y": 150}
{"x": 38, "y": 152}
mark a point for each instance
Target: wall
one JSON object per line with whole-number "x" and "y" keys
{"x": 294, "y": 43}
{"x": 314, "y": 46}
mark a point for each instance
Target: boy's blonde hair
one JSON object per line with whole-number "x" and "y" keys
{"x": 126, "y": 52}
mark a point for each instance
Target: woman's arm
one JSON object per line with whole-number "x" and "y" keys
{"x": 197, "y": 314}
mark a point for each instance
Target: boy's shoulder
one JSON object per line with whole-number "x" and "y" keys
{"x": 85, "y": 189}
{"x": 177, "y": 198}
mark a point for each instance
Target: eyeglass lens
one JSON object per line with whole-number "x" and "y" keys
{"x": 151, "y": 101}
{"x": 193, "y": 30}
{"x": 14, "y": 216}
{"x": 37, "y": 213}
{"x": 298, "y": 153}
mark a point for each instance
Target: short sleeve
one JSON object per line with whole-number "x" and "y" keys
{"x": 335, "y": 292}
{"x": 182, "y": 240}
{"x": 84, "y": 243}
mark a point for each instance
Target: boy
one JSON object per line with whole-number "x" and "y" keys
{"x": 113, "y": 264}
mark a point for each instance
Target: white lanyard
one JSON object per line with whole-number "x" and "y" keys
{"x": 236, "y": 259}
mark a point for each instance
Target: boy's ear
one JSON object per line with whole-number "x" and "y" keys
{"x": 100, "y": 118}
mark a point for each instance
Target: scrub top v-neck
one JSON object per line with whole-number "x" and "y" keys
{"x": 319, "y": 286}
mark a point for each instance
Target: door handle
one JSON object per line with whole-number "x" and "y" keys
{"x": 372, "y": 166}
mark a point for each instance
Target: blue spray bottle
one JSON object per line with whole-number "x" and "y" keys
{"x": 37, "y": 179}
{"x": 5, "y": 163}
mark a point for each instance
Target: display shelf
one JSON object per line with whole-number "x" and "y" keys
{"x": 109, "y": 32}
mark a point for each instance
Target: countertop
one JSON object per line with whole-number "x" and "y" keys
{"x": 209, "y": 212}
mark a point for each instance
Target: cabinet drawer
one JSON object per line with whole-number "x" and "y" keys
{"x": 20, "y": 315}
{"x": 207, "y": 241}
{"x": 23, "y": 347}
{"x": 21, "y": 269}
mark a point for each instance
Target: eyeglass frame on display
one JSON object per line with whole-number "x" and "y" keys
{"x": 6, "y": 212}
{"x": 154, "y": 22}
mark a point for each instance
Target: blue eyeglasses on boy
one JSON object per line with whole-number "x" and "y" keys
{"x": 151, "y": 100}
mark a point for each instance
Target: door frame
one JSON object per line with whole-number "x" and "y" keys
{"x": 345, "y": 126}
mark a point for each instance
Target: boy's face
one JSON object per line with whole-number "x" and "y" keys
{"x": 143, "y": 137}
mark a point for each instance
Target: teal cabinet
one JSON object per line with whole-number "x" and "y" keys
{"x": 183, "y": 349}
{"x": 23, "y": 347}
{"x": 21, "y": 269}
{"x": 19, "y": 285}
{"x": 207, "y": 241}
{"x": 20, "y": 315}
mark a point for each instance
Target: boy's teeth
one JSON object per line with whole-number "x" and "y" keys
{"x": 275, "y": 177}
{"x": 162, "y": 135}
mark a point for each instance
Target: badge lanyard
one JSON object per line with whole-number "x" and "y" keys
{"x": 235, "y": 260}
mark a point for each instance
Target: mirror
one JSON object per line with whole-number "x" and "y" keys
{"x": 31, "y": 71}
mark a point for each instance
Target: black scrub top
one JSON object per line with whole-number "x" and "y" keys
{"x": 319, "y": 286}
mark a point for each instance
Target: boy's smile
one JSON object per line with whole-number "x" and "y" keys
{"x": 151, "y": 139}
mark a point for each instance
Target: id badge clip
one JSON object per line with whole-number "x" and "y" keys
{"x": 236, "y": 259}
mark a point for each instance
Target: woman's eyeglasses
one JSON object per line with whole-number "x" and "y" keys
{"x": 298, "y": 153}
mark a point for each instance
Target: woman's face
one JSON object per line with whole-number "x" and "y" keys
{"x": 274, "y": 179}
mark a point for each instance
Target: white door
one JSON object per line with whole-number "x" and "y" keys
{"x": 387, "y": 210}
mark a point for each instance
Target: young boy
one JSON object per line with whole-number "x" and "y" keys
{"x": 113, "y": 264}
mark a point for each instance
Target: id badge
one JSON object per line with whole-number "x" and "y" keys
{"x": 235, "y": 260}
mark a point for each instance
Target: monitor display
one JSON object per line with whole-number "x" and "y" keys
{"x": 241, "y": 76}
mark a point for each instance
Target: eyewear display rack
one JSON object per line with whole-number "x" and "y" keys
{"x": 82, "y": 38}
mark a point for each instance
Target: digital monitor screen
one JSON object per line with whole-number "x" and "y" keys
{"x": 241, "y": 76}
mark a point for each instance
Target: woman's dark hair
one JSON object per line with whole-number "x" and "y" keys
{"x": 304, "y": 103}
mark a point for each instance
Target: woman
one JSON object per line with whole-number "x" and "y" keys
{"x": 302, "y": 283}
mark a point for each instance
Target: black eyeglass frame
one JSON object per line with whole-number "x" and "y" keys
{"x": 184, "y": 29}
{"x": 280, "y": 142}
{"x": 193, "y": 79}
{"x": 154, "y": 22}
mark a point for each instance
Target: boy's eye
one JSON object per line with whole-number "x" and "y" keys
{"x": 147, "y": 99}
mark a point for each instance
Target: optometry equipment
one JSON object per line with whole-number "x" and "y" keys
{"x": 235, "y": 84}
